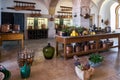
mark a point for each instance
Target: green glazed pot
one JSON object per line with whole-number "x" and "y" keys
{"x": 48, "y": 51}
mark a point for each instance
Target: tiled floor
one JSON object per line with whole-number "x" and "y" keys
{"x": 57, "y": 68}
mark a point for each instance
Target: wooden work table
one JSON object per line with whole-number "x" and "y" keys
{"x": 68, "y": 40}
{"x": 12, "y": 36}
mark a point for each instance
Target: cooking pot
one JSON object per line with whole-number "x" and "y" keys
{"x": 5, "y": 28}
{"x": 16, "y": 27}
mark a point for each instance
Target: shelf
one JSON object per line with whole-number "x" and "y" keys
{"x": 24, "y": 9}
{"x": 24, "y": 2}
{"x": 21, "y": 5}
{"x": 66, "y": 7}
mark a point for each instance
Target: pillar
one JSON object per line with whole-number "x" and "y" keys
{"x": 76, "y": 12}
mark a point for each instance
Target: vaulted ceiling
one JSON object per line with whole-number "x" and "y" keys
{"x": 51, "y": 4}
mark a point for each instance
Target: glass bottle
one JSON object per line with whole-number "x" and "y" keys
{"x": 48, "y": 51}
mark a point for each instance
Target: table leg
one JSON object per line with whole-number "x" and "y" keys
{"x": 65, "y": 55}
{"x": 119, "y": 42}
{"x": 22, "y": 43}
{"x": 56, "y": 49}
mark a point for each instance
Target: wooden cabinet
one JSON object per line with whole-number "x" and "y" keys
{"x": 37, "y": 34}
{"x": 68, "y": 40}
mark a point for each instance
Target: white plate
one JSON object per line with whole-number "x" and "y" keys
{"x": 2, "y": 75}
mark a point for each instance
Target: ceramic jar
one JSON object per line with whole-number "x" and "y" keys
{"x": 48, "y": 51}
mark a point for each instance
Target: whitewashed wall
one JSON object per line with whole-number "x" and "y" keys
{"x": 10, "y": 3}
{"x": 76, "y": 11}
{"x": 63, "y": 3}
{"x": 105, "y": 12}
{"x": 95, "y": 13}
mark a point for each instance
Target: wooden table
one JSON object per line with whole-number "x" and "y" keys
{"x": 12, "y": 36}
{"x": 68, "y": 40}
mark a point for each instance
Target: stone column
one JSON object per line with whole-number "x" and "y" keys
{"x": 85, "y": 10}
{"x": 51, "y": 29}
{"x": 76, "y": 12}
{"x": 51, "y": 24}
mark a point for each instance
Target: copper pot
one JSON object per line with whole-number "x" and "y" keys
{"x": 69, "y": 49}
{"x": 5, "y": 28}
{"x": 16, "y": 28}
{"x": 92, "y": 45}
{"x": 77, "y": 49}
{"x": 86, "y": 47}
{"x": 105, "y": 45}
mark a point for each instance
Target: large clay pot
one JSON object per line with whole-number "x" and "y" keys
{"x": 48, "y": 51}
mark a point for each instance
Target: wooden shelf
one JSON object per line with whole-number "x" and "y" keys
{"x": 24, "y": 2}
{"x": 24, "y": 9}
{"x": 21, "y": 5}
{"x": 65, "y": 7}
{"x": 64, "y": 12}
